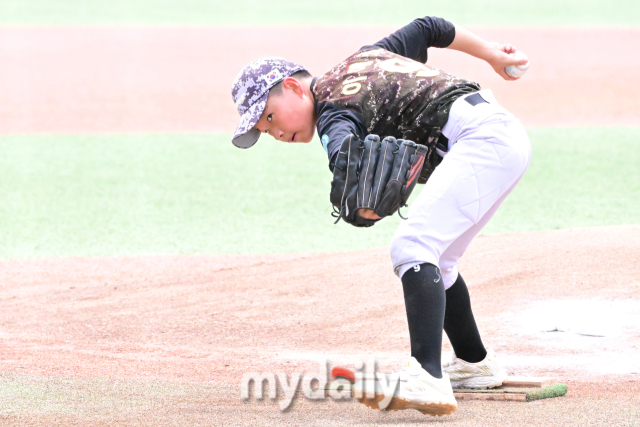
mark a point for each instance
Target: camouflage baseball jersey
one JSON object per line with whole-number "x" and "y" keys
{"x": 378, "y": 91}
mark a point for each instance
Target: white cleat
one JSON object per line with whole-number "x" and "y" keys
{"x": 416, "y": 389}
{"x": 485, "y": 374}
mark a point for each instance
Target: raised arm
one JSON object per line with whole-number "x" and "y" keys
{"x": 413, "y": 40}
{"x": 496, "y": 54}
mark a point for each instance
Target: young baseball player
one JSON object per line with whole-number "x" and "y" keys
{"x": 479, "y": 152}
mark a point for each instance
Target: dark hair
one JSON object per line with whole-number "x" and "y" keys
{"x": 277, "y": 89}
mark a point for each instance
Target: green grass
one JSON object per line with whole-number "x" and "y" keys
{"x": 185, "y": 194}
{"x": 579, "y": 177}
{"x": 335, "y": 12}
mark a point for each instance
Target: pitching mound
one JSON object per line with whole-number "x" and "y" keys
{"x": 165, "y": 340}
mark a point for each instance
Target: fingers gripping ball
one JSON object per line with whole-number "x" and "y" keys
{"x": 376, "y": 175}
{"x": 517, "y": 70}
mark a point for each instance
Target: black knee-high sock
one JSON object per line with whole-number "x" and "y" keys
{"x": 424, "y": 299}
{"x": 460, "y": 325}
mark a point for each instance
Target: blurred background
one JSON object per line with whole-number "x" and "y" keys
{"x": 116, "y": 120}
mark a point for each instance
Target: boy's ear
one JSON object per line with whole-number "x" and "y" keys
{"x": 292, "y": 84}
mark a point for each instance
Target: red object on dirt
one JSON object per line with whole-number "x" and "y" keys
{"x": 339, "y": 371}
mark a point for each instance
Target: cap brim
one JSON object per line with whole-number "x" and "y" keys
{"x": 247, "y": 139}
{"x": 246, "y": 135}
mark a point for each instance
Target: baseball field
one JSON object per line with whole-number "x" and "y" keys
{"x": 146, "y": 264}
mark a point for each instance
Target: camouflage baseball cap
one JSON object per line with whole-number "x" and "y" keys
{"x": 250, "y": 91}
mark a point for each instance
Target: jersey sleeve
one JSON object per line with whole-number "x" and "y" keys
{"x": 413, "y": 40}
{"x": 334, "y": 124}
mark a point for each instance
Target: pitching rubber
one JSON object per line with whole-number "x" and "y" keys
{"x": 399, "y": 404}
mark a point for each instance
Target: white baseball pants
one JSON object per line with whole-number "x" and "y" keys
{"x": 489, "y": 152}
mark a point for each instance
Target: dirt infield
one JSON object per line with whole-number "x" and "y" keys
{"x": 174, "y": 79}
{"x": 157, "y": 340}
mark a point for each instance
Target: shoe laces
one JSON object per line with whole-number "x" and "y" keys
{"x": 453, "y": 362}
{"x": 405, "y": 375}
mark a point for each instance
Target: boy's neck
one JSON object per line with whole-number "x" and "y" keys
{"x": 306, "y": 86}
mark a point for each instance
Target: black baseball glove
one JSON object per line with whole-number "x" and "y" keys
{"x": 374, "y": 174}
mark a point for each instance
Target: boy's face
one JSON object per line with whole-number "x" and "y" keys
{"x": 290, "y": 115}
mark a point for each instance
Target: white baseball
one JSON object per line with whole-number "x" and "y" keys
{"x": 517, "y": 70}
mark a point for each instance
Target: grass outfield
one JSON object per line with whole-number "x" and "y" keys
{"x": 186, "y": 194}
{"x": 332, "y": 12}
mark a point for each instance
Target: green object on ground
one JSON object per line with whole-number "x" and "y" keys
{"x": 555, "y": 390}
{"x": 305, "y": 12}
{"x": 187, "y": 194}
